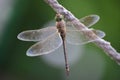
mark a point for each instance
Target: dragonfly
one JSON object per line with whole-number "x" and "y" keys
{"x": 51, "y": 38}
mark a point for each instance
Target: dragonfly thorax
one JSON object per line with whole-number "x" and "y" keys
{"x": 61, "y": 28}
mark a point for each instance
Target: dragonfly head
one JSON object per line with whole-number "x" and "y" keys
{"x": 58, "y": 17}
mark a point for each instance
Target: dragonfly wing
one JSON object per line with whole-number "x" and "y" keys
{"x": 76, "y": 37}
{"x": 90, "y": 20}
{"x": 99, "y": 33}
{"x": 45, "y": 47}
{"x": 36, "y": 35}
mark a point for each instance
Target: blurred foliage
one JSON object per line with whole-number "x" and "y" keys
{"x": 33, "y": 14}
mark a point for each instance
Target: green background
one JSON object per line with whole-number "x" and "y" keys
{"x": 33, "y": 14}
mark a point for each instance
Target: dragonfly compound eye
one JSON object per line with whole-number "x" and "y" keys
{"x": 58, "y": 17}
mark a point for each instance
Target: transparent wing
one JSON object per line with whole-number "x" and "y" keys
{"x": 45, "y": 47}
{"x": 88, "y": 21}
{"x": 99, "y": 33}
{"x": 77, "y": 37}
{"x": 36, "y": 35}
